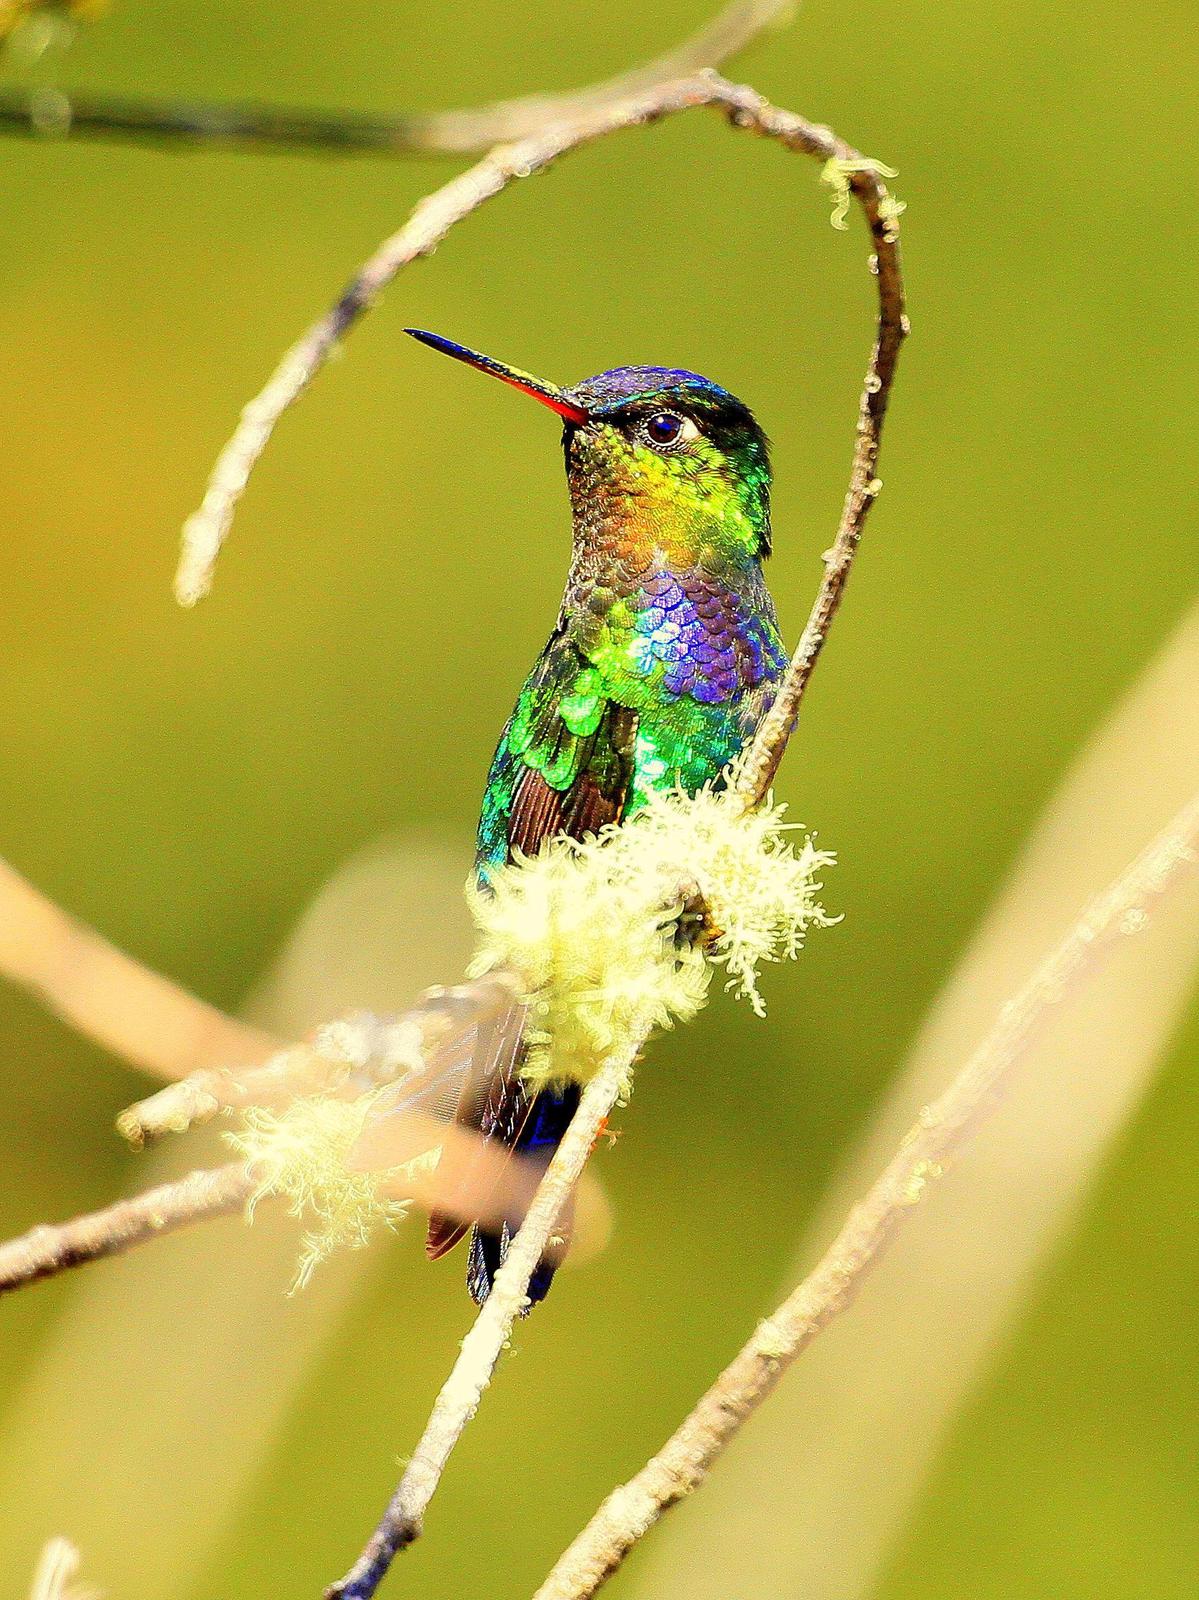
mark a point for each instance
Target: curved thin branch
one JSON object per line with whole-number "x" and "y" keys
{"x": 54, "y": 1247}
{"x": 50, "y": 113}
{"x": 685, "y": 1460}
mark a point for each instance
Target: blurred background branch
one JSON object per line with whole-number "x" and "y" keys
{"x": 45, "y": 112}
{"x": 57, "y": 1569}
{"x": 109, "y": 996}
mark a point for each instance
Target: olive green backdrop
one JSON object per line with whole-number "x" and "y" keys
{"x": 187, "y": 781}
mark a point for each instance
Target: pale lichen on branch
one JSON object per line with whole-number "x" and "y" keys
{"x": 593, "y": 926}
{"x": 301, "y": 1154}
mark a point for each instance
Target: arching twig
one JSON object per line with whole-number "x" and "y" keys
{"x": 432, "y": 220}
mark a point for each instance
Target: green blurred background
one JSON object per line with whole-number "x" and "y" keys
{"x": 188, "y": 781}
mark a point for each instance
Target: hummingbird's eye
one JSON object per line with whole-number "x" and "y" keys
{"x": 664, "y": 428}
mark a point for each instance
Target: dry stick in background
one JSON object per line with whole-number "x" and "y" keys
{"x": 463, "y": 1390}
{"x": 685, "y": 1460}
{"x": 51, "y": 113}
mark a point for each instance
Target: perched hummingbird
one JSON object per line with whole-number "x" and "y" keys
{"x": 664, "y": 658}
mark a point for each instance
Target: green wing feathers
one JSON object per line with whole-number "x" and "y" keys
{"x": 564, "y": 762}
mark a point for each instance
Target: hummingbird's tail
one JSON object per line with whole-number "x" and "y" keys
{"x": 547, "y": 1118}
{"x": 500, "y": 1106}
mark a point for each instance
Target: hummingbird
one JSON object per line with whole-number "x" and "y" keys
{"x": 663, "y": 660}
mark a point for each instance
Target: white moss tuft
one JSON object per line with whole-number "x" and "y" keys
{"x": 300, "y": 1155}
{"x": 589, "y": 928}
{"x": 609, "y": 951}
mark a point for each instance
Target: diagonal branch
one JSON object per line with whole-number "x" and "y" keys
{"x": 50, "y": 113}
{"x": 463, "y": 1390}
{"x": 685, "y": 1460}
{"x": 348, "y": 1057}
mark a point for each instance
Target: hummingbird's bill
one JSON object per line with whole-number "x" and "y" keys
{"x": 548, "y": 393}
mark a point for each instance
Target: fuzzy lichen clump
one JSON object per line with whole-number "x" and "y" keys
{"x": 301, "y": 1154}
{"x": 593, "y": 926}
{"x": 605, "y": 937}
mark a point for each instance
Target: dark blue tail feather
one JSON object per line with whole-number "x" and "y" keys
{"x": 539, "y": 1136}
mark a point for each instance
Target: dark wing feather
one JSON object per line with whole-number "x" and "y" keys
{"x": 537, "y": 812}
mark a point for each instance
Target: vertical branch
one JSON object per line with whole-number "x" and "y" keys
{"x": 864, "y": 181}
